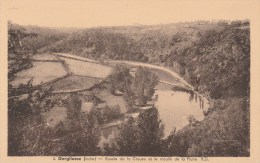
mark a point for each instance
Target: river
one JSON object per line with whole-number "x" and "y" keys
{"x": 174, "y": 106}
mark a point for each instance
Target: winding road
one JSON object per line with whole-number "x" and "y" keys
{"x": 174, "y": 74}
{"x": 182, "y": 81}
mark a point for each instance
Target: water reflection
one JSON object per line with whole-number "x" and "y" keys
{"x": 175, "y": 107}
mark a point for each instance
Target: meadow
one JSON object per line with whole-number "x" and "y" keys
{"x": 90, "y": 69}
{"x": 40, "y": 73}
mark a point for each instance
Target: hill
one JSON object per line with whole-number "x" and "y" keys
{"x": 214, "y": 57}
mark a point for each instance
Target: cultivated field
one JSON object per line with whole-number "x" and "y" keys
{"x": 87, "y": 68}
{"x": 41, "y": 72}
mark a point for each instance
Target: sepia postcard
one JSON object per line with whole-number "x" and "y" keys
{"x": 130, "y": 81}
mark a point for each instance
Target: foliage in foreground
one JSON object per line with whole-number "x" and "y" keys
{"x": 139, "y": 137}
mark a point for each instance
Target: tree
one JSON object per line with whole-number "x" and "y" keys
{"x": 151, "y": 133}
{"x": 120, "y": 78}
{"x": 191, "y": 119}
{"x": 83, "y": 136}
{"x": 175, "y": 145}
{"x": 129, "y": 96}
{"x": 17, "y": 61}
{"x": 138, "y": 88}
{"x": 143, "y": 85}
{"x": 74, "y": 106}
{"x": 27, "y": 131}
{"x": 105, "y": 114}
{"x": 139, "y": 137}
{"x": 128, "y": 139}
{"x": 83, "y": 141}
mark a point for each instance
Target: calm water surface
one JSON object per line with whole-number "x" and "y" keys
{"x": 174, "y": 109}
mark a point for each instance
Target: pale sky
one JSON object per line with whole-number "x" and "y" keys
{"x": 89, "y": 13}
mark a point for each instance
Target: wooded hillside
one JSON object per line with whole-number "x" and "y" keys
{"x": 214, "y": 57}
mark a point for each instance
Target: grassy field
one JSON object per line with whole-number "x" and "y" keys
{"x": 74, "y": 82}
{"x": 110, "y": 99}
{"x": 87, "y": 68}
{"x": 41, "y": 72}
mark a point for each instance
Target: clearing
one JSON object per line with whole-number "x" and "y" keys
{"x": 55, "y": 116}
{"x": 110, "y": 99}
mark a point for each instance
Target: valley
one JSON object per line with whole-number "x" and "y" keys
{"x": 85, "y": 76}
{"x": 164, "y": 90}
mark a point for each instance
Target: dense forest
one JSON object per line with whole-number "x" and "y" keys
{"x": 214, "y": 57}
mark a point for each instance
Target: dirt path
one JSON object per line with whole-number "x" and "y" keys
{"x": 71, "y": 56}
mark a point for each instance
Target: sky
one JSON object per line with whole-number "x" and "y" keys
{"x": 93, "y": 13}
